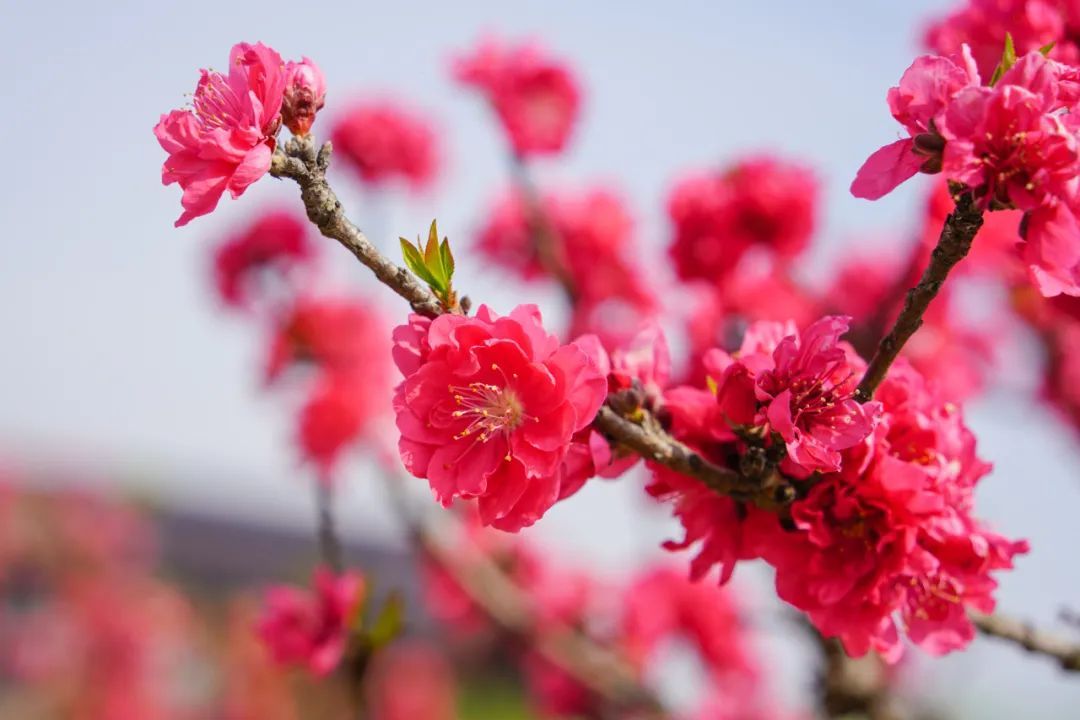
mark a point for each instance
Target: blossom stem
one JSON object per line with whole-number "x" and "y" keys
{"x": 329, "y": 543}
{"x": 1040, "y": 642}
{"x": 544, "y": 234}
{"x": 596, "y": 666}
{"x": 953, "y": 245}
{"x": 657, "y": 446}
{"x": 299, "y": 161}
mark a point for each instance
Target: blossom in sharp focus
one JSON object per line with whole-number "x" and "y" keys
{"x": 799, "y": 386}
{"x": 225, "y": 140}
{"x": 488, "y": 409}
{"x": 1012, "y": 146}
{"x": 919, "y": 102}
{"x": 276, "y": 243}
{"x": 760, "y": 203}
{"x": 305, "y": 95}
{"x": 310, "y": 628}
{"x": 889, "y": 544}
{"x": 536, "y": 97}
{"x": 381, "y": 142}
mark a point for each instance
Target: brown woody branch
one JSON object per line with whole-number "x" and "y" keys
{"x": 953, "y": 245}
{"x": 854, "y": 686}
{"x": 1027, "y": 636}
{"x": 545, "y": 235}
{"x": 300, "y": 162}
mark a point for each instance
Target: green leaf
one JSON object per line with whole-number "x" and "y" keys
{"x": 415, "y": 261}
{"x": 389, "y": 623}
{"x": 431, "y": 252}
{"x": 1008, "y": 59}
{"x": 1045, "y": 49}
{"x": 447, "y": 259}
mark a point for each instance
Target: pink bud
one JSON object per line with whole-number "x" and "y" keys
{"x": 305, "y": 95}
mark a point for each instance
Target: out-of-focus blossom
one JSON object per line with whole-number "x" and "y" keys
{"x": 662, "y": 604}
{"x": 276, "y": 243}
{"x": 310, "y": 628}
{"x": 411, "y": 681}
{"x": 305, "y": 95}
{"x": 382, "y": 142}
{"x": 225, "y": 140}
{"x": 760, "y": 203}
{"x": 535, "y": 96}
{"x": 585, "y": 240}
{"x": 1033, "y": 24}
{"x": 342, "y": 341}
{"x": 488, "y": 411}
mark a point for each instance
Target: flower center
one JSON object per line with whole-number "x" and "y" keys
{"x": 487, "y": 409}
{"x": 215, "y": 102}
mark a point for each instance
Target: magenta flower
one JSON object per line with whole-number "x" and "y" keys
{"x": 311, "y": 628}
{"x": 488, "y": 409}
{"x": 799, "y": 386}
{"x": 276, "y": 244}
{"x": 889, "y": 542}
{"x": 536, "y": 98}
{"x": 919, "y": 102}
{"x": 381, "y": 142}
{"x": 759, "y": 203}
{"x": 226, "y": 139}
{"x": 592, "y": 247}
{"x": 305, "y": 95}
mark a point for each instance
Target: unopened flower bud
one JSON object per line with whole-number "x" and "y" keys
{"x": 305, "y": 95}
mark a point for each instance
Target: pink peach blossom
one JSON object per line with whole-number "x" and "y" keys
{"x": 535, "y": 97}
{"x": 225, "y": 140}
{"x": 305, "y": 95}
{"x": 310, "y": 628}
{"x": 490, "y": 411}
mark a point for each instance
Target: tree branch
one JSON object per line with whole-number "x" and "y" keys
{"x": 953, "y": 245}
{"x": 1040, "y": 642}
{"x": 329, "y": 544}
{"x": 543, "y": 231}
{"x": 299, "y": 161}
{"x": 595, "y": 666}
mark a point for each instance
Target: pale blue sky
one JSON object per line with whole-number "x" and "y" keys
{"x": 115, "y": 355}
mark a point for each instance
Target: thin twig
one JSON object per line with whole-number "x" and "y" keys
{"x": 1027, "y": 636}
{"x": 329, "y": 543}
{"x": 545, "y": 236}
{"x": 593, "y": 665}
{"x": 299, "y": 161}
{"x": 953, "y": 244}
{"x": 854, "y": 686}
{"x": 652, "y": 443}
